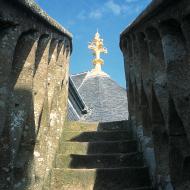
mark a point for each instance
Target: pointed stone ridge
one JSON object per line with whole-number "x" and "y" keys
{"x": 97, "y": 48}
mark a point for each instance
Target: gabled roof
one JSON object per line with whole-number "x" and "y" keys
{"x": 104, "y": 98}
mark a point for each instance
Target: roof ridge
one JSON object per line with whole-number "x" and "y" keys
{"x": 78, "y": 74}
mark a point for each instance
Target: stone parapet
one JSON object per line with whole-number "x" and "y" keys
{"x": 156, "y": 49}
{"x": 35, "y": 9}
{"x": 34, "y": 79}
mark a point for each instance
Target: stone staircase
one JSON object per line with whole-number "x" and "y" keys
{"x": 99, "y": 157}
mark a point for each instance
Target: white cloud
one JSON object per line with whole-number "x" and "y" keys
{"x": 128, "y": 7}
{"x": 96, "y": 14}
{"x": 82, "y": 15}
{"x": 114, "y": 7}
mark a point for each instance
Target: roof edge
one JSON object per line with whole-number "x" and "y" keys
{"x": 74, "y": 92}
{"x": 71, "y": 75}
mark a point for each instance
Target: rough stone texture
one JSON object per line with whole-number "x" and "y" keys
{"x": 32, "y": 7}
{"x": 99, "y": 156}
{"x": 156, "y": 48}
{"x": 34, "y": 57}
{"x": 104, "y": 98}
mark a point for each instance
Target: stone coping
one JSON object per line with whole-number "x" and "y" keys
{"x": 33, "y": 7}
{"x": 152, "y": 9}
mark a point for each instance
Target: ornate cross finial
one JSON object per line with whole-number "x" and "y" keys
{"x": 97, "y": 47}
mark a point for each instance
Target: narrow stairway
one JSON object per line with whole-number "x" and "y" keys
{"x": 101, "y": 156}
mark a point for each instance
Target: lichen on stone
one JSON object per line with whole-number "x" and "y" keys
{"x": 17, "y": 119}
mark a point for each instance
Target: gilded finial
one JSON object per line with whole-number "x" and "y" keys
{"x": 97, "y": 47}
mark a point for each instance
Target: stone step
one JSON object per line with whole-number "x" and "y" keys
{"x": 96, "y": 136}
{"x": 95, "y": 126}
{"x": 99, "y": 160}
{"x": 105, "y": 147}
{"x": 100, "y": 179}
{"x": 141, "y": 188}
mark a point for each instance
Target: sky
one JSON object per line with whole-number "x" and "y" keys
{"x": 83, "y": 17}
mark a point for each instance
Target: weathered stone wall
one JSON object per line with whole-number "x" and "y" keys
{"x": 34, "y": 58}
{"x": 156, "y": 49}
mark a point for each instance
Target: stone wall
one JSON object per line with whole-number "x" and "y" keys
{"x": 34, "y": 58}
{"x": 156, "y": 49}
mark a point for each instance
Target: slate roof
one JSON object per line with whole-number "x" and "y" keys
{"x": 104, "y": 98}
{"x": 71, "y": 113}
{"x": 76, "y": 106}
{"x": 78, "y": 79}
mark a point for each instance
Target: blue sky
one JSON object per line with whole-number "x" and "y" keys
{"x": 83, "y": 17}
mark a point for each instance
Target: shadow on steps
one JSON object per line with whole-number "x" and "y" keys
{"x": 104, "y": 157}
